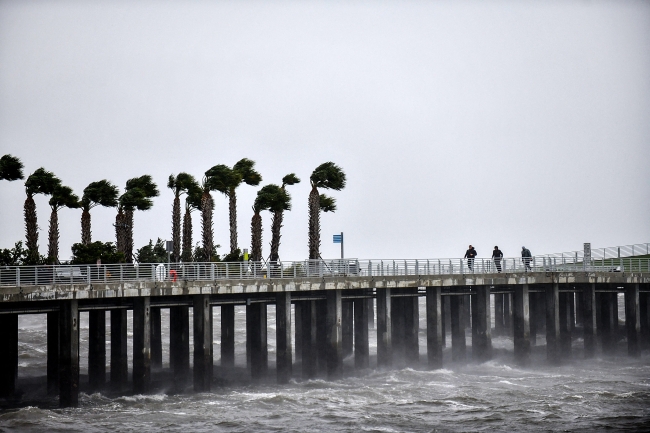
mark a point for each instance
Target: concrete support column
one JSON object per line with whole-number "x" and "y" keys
{"x": 141, "y": 344}
{"x": 156, "y": 338}
{"x": 608, "y": 308}
{"x": 371, "y": 309}
{"x": 69, "y": 354}
{"x": 507, "y": 313}
{"x": 361, "y": 343}
{"x": 119, "y": 359}
{"x": 9, "y": 357}
{"x": 228, "y": 335}
{"x": 97, "y": 349}
{"x": 498, "y": 313}
{"x": 179, "y": 345}
{"x": 540, "y": 313}
{"x": 52, "y": 352}
{"x": 384, "y": 329}
{"x": 412, "y": 328}
{"x": 565, "y": 300}
{"x": 521, "y": 319}
{"x": 589, "y": 318}
{"x": 398, "y": 327}
{"x": 467, "y": 313}
{"x": 321, "y": 338}
{"x": 644, "y": 319}
{"x": 579, "y": 308}
{"x": 458, "y": 344}
{"x": 203, "y": 360}
{"x": 533, "y": 305}
{"x": 632, "y": 320}
{"x": 334, "y": 334}
{"x": 284, "y": 354}
{"x": 572, "y": 310}
{"x": 434, "y": 327}
{"x": 298, "y": 329}
{"x": 348, "y": 328}
{"x": 552, "y": 323}
{"x": 309, "y": 354}
{"x": 446, "y": 317}
{"x": 481, "y": 324}
{"x": 256, "y": 329}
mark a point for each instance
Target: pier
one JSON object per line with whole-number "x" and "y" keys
{"x": 334, "y": 304}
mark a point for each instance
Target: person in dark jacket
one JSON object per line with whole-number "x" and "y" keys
{"x": 525, "y": 257}
{"x": 469, "y": 255}
{"x": 497, "y": 255}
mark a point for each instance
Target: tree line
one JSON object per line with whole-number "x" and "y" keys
{"x": 138, "y": 195}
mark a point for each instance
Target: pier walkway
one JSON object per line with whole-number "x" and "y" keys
{"x": 334, "y": 302}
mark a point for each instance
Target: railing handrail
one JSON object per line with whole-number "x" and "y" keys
{"x": 18, "y": 276}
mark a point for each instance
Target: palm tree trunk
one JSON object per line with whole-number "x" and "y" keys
{"x": 53, "y": 238}
{"x": 186, "y": 255}
{"x": 206, "y": 225}
{"x": 256, "y": 238}
{"x": 119, "y": 232}
{"x": 176, "y": 229}
{"x": 86, "y": 237}
{"x": 276, "y": 226}
{"x": 128, "y": 235}
{"x": 314, "y": 224}
{"x": 31, "y": 230}
{"x": 233, "y": 220}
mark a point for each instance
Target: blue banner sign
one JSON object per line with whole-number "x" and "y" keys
{"x": 338, "y": 239}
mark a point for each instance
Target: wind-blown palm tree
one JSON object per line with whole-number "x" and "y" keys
{"x": 268, "y": 196}
{"x": 101, "y": 193}
{"x": 11, "y": 168}
{"x": 178, "y": 184}
{"x": 137, "y": 195}
{"x": 226, "y": 180}
{"x": 278, "y": 215}
{"x": 39, "y": 182}
{"x": 192, "y": 202}
{"x": 328, "y": 176}
{"x": 207, "y": 209}
{"x": 61, "y": 197}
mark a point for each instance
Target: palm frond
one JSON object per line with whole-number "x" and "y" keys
{"x": 11, "y": 168}
{"x": 329, "y": 176}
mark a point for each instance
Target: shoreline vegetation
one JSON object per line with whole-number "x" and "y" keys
{"x": 138, "y": 195}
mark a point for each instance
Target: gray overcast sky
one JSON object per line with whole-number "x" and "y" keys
{"x": 509, "y": 123}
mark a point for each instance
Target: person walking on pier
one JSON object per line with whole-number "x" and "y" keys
{"x": 469, "y": 255}
{"x": 497, "y": 255}
{"x": 525, "y": 257}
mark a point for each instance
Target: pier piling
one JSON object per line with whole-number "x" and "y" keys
{"x": 458, "y": 343}
{"x": 632, "y": 320}
{"x": 141, "y": 345}
{"x": 69, "y": 353}
{"x": 434, "y": 327}
{"x": 283, "y": 337}
{"x": 96, "y": 349}
{"x": 119, "y": 360}
{"x": 384, "y": 328}
{"x": 521, "y": 319}
{"x": 203, "y": 360}
{"x": 227, "y": 335}
{"x": 361, "y": 343}
{"x": 552, "y": 301}
{"x": 481, "y": 324}
{"x": 589, "y": 324}
{"x": 334, "y": 334}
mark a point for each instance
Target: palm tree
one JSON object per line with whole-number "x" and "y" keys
{"x": 328, "y": 176}
{"x": 266, "y": 197}
{"x": 178, "y": 184}
{"x": 39, "y": 182}
{"x": 226, "y": 180}
{"x": 101, "y": 193}
{"x": 61, "y": 197}
{"x": 207, "y": 208}
{"x": 11, "y": 168}
{"x": 278, "y": 215}
{"x": 137, "y": 195}
{"x": 192, "y": 202}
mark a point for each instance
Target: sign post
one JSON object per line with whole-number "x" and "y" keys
{"x": 338, "y": 239}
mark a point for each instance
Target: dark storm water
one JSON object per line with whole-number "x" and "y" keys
{"x": 606, "y": 393}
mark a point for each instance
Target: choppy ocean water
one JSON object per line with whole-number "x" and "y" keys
{"x": 605, "y": 393}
